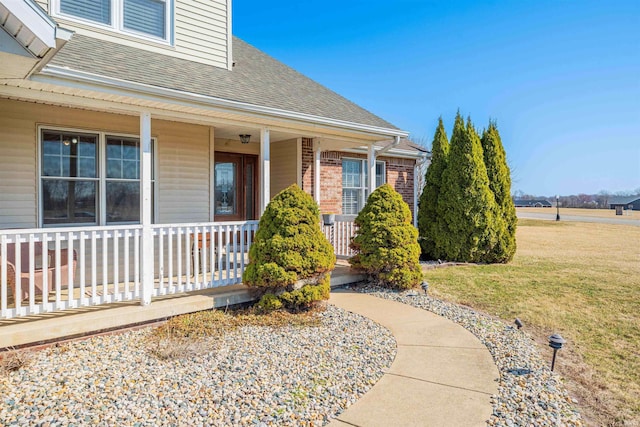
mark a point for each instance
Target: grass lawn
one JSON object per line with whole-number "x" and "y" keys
{"x": 594, "y": 213}
{"x": 581, "y": 280}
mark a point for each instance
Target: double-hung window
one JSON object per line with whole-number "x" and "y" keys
{"x": 144, "y": 18}
{"x": 89, "y": 178}
{"x": 354, "y": 184}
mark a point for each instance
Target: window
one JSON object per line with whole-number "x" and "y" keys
{"x": 144, "y": 18}
{"x": 77, "y": 189}
{"x": 354, "y": 184}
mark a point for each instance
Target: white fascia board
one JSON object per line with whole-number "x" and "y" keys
{"x": 61, "y": 76}
{"x": 34, "y": 18}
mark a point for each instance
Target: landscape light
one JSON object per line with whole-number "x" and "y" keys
{"x": 555, "y": 342}
{"x": 518, "y": 323}
{"x": 425, "y": 286}
{"x": 557, "y": 208}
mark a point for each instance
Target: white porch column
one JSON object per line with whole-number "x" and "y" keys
{"x": 265, "y": 167}
{"x": 316, "y": 171}
{"x": 371, "y": 164}
{"x": 146, "y": 257}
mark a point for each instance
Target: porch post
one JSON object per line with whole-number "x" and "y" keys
{"x": 316, "y": 171}
{"x": 265, "y": 174}
{"x": 146, "y": 257}
{"x": 371, "y": 164}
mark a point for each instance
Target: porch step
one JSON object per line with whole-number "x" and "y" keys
{"x": 50, "y": 327}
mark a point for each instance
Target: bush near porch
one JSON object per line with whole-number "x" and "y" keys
{"x": 386, "y": 242}
{"x": 290, "y": 261}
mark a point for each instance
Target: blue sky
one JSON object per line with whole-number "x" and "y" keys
{"x": 562, "y": 78}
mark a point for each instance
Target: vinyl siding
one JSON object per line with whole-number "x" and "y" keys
{"x": 200, "y": 32}
{"x": 182, "y": 160}
{"x": 283, "y": 165}
{"x": 183, "y": 172}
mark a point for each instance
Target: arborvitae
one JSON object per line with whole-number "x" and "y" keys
{"x": 386, "y": 242}
{"x": 466, "y": 205}
{"x": 289, "y": 251}
{"x": 427, "y": 215}
{"x": 495, "y": 160}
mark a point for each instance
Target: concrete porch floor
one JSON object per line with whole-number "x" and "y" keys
{"x": 50, "y": 327}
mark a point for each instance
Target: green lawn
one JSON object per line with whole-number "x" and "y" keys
{"x": 581, "y": 280}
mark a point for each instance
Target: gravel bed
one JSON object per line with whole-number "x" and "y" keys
{"x": 529, "y": 394}
{"x": 253, "y": 376}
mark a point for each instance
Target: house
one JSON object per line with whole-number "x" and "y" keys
{"x": 143, "y": 140}
{"x": 532, "y": 203}
{"x": 620, "y": 203}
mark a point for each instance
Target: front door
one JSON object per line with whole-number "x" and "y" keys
{"x": 235, "y": 183}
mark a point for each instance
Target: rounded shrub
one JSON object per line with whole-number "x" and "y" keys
{"x": 289, "y": 252}
{"x": 386, "y": 242}
{"x": 269, "y": 303}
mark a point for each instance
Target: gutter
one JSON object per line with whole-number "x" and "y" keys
{"x": 61, "y": 76}
{"x": 62, "y": 36}
{"x": 416, "y": 169}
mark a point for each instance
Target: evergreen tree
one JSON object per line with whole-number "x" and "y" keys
{"x": 427, "y": 214}
{"x": 466, "y": 205}
{"x": 386, "y": 242}
{"x": 495, "y": 160}
{"x": 290, "y": 260}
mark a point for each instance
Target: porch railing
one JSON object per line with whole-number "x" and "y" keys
{"x": 340, "y": 235}
{"x": 43, "y": 270}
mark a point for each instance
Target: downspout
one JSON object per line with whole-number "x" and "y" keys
{"x": 416, "y": 190}
{"x": 371, "y": 159}
{"x": 395, "y": 143}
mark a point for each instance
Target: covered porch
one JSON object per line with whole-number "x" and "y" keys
{"x": 184, "y": 223}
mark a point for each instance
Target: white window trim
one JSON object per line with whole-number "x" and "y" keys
{"x": 363, "y": 185}
{"x": 101, "y": 152}
{"x": 117, "y": 24}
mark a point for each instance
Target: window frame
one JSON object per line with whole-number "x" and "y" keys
{"x": 117, "y": 21}
{"x": 362, "y": 189}
{"x": 101, "y": 176}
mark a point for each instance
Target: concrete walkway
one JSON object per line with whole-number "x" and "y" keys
{"x": 441, "y": 376}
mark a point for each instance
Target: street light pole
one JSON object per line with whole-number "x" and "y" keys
{"x": 557, "y": 208}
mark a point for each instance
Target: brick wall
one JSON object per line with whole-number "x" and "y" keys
{"x": 399, "y": 174}
{"x": 400, "y": 177}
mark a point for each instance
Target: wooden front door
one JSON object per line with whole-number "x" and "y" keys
{"x": 236, "y": 187}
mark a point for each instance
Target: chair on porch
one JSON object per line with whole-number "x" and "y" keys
{"x": 38, "y": 272}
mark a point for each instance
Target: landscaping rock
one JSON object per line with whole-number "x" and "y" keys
{"x": 251, "y": 376}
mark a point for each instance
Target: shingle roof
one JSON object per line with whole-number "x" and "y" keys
{"x": 623, "y": 200}
{"x": 532, "y": 203}
{"x": 256, "y": 78}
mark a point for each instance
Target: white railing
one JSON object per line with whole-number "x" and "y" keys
{"x": 44, "y": 270}
{"x": 198, "y": 256}
{"x": 56, "y": 269}
{"x": 340, "y": 235}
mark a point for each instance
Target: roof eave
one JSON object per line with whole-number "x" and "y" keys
{"x": 61, "y": 76}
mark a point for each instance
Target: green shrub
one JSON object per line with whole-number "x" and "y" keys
{"x": 269, "y": 303}
{"x": 289, "y": 247}
{"x": 495, "y": 159}
{"x": 428, "y": 204}
{"x": 466, "y": 205}
{"x": 306, "y": 296}
{"x": 386, "y": 242}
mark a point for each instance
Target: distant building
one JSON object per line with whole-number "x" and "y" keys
{"x": 625, "y": 202}
{"x": 532, "y": 203}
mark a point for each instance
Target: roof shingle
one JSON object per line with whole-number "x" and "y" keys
{"x": 256, "y": 78}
